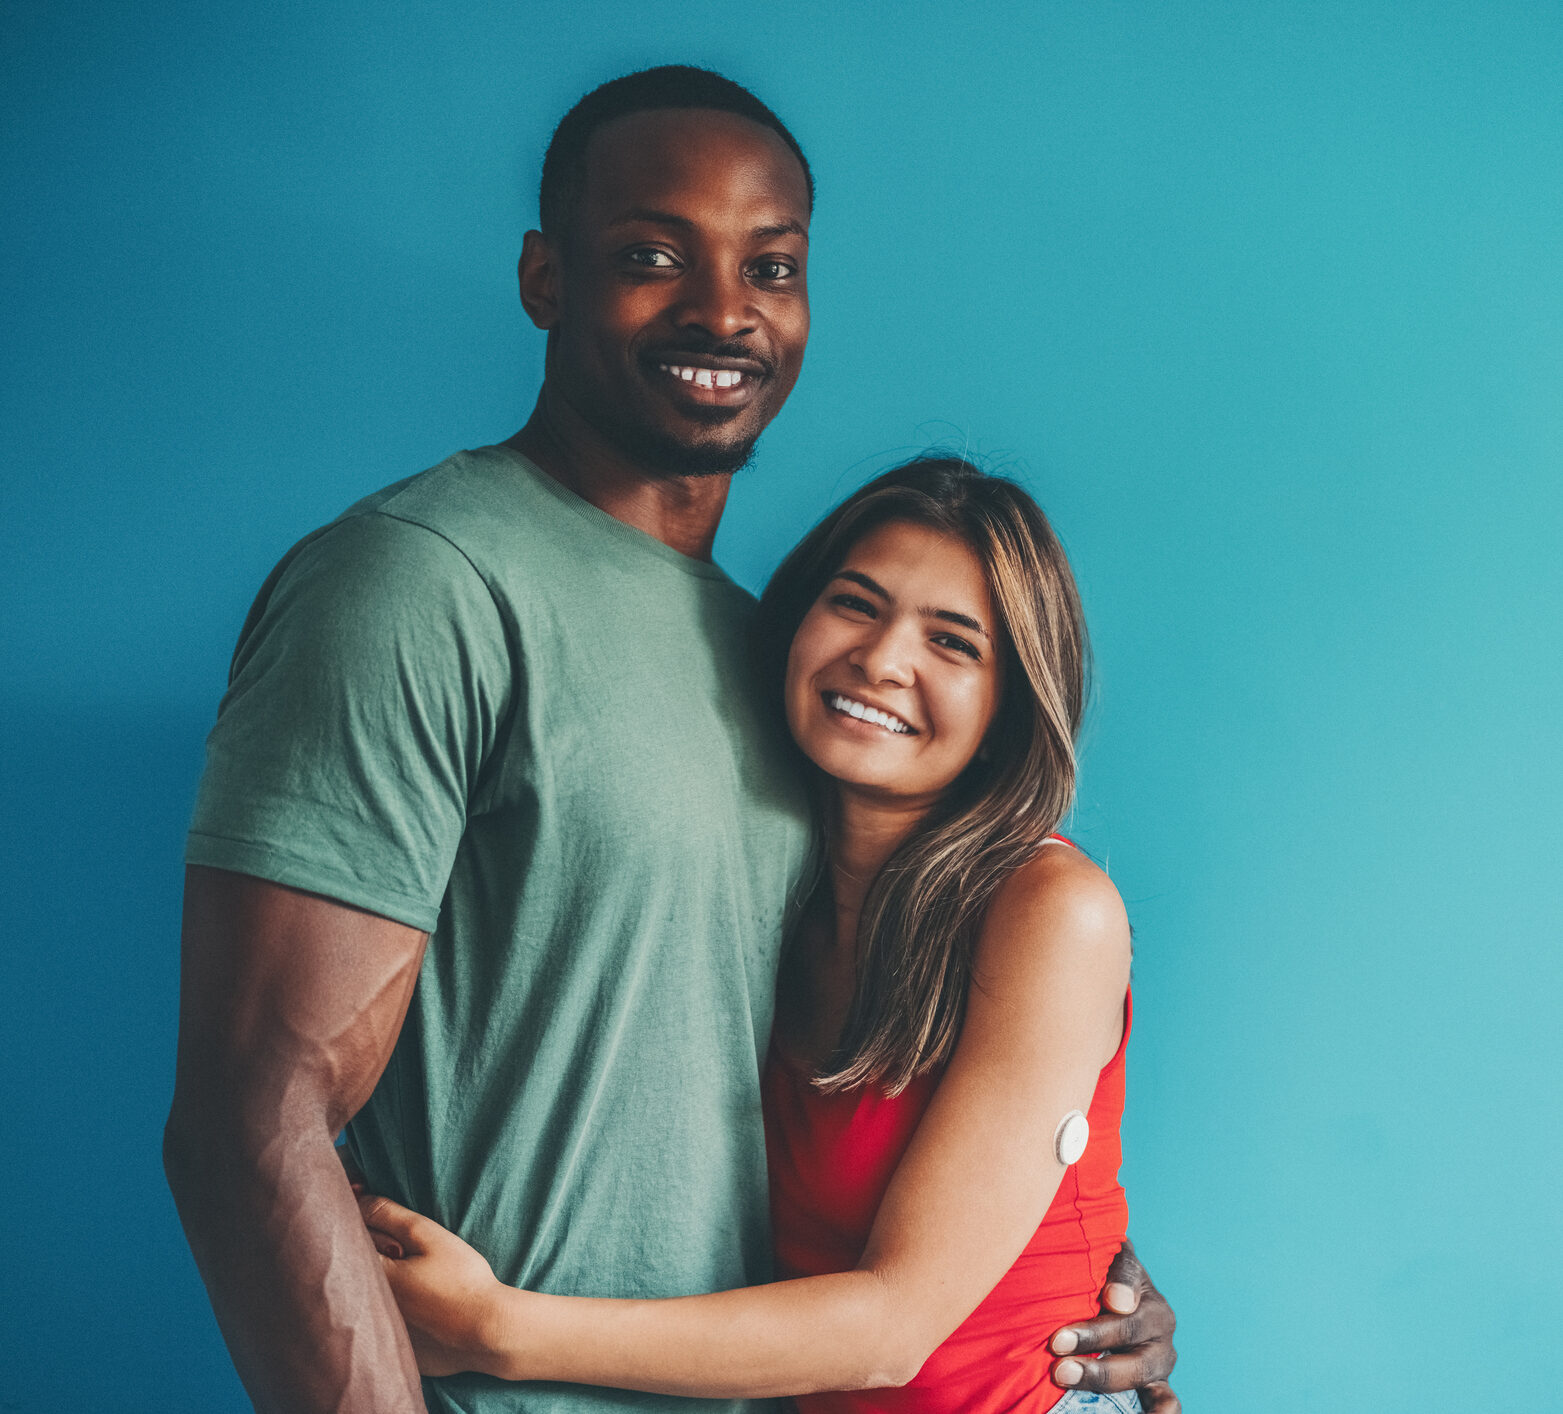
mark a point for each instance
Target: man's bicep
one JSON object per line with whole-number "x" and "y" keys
{"x": 290, "y": 1003}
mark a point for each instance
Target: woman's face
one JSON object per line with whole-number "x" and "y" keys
{"x": 894, "y": 676}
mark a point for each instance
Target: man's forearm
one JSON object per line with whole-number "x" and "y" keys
{"x": 293, "y": 1277}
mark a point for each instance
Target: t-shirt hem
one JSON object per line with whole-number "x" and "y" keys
{"x": 266, "y": 861}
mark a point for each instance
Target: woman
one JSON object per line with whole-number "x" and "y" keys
{"x": 954, "y": 998}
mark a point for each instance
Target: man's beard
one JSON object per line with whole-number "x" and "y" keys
{"x": 667, "y": 458}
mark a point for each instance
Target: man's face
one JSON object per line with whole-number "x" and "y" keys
{"x": 682, "y": 299}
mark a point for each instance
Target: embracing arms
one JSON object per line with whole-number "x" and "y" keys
{"x": 289, "y": 1006}
{"x": 1044, "y": 1016}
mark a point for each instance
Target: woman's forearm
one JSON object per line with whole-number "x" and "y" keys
{"x": 791, "y": 1337}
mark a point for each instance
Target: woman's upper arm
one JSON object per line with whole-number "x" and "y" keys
{"x": 1045, "y": 1014}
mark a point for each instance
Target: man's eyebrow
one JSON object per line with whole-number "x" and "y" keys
{"x": 651, "y": 216}
{"x": 949, "y": 616}
{"x": 648, "y": 214}
{"x": 781, "y": 228}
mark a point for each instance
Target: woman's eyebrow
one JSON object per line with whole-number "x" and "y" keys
{"x": 857, "y": 577}
{"x": 950, "y": 616}
{"x": 947, "y": 615}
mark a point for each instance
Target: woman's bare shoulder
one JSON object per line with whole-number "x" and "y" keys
{"x": 1059, "y": 900}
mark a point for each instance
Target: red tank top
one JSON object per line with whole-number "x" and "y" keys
{"x": 831, "y": 1158}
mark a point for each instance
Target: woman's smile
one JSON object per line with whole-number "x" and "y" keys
{"x": 894, "y": 675}
{"x": 857, "y": 710}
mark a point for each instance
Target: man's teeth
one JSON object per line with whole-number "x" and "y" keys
{"x": 864, "y": 713}
{"x": 705, "y": 377}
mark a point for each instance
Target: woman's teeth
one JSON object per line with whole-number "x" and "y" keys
{"x": 864, "y": 713}
{"x": 704, "y": 377}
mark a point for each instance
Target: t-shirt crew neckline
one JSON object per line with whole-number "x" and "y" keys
{"x": 627, "y": 535}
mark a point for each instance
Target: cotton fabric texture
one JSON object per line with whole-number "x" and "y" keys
{"x": 480, "y": 706}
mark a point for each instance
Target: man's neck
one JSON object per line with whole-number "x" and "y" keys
{"x": 682, "y": 512}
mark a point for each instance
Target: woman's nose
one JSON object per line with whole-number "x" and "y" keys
{"x": 885, "y": 657}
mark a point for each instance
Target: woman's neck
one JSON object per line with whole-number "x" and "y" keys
{"x": 865, "y": 833}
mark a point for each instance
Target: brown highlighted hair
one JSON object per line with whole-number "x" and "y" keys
{"x": 921, "y": 918}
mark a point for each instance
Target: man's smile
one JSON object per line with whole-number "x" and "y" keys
{"x": 704, "y": 377}
{"x": 706, "y": 381}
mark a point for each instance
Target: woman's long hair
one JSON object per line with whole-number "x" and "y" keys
{"x": 918, "y": 930}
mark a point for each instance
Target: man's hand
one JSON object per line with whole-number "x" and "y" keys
{"x": 1135, "y": 1330}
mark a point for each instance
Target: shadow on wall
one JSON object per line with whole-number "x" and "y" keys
{"x": 101, "y": 1304}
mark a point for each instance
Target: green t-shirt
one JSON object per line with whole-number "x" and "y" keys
{"x": 480, "y": 706}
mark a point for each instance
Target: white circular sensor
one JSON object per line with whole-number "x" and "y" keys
{"x": 1071, "y": 1137}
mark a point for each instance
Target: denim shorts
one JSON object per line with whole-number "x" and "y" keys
{"x": 1084, "y": 1401}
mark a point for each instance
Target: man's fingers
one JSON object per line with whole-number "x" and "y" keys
{"x": 1104, "y": 1333}
{"x": 1158, "y": 1398}
{"x": 1126, "y": 1282}
{"x": 1147, "y": 1323}
{"x": 1126, "y": 1269}
{"x": 1134, "y": 1333}
{"x": 1116, "y": 1296}
{"x": 1112, "y": 1374}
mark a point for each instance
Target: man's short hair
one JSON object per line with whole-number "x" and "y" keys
{"x": 669, "y": 86}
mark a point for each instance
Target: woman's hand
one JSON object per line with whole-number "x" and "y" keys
{"x": 446, "y": 1290}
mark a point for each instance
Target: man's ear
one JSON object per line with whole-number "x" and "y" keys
{"x": 538, "y": 271}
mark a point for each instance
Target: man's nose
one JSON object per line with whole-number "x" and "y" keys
{"x": 716, "y": 300}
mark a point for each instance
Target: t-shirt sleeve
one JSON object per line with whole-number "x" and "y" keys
{"x": 367, "y": 690}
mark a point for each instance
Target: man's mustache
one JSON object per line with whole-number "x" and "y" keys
{"x": 732, "y": 350}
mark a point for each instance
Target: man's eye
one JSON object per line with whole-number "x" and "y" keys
{"x": 652, "y": 258}
{"x": 774, "y": 270}
{"x": 959, "y": 644}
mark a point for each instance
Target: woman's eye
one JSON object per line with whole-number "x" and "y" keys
{"x": 959, "y": 644}
{"x": 853, "y": 602}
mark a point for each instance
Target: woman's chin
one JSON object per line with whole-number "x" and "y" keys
{"x": 848, "y": 763}
{"x": 858, "y": 774}
{"x": 867, "y": 761}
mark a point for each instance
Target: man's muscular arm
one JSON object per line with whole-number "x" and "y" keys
{"x": 289, "y": 1006}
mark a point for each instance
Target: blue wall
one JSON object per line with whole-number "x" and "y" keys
{"x": 1264, "y": 302}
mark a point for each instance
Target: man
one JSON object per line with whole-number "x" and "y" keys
{"x": 492, "y": 731}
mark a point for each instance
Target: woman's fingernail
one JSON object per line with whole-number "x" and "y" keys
{"x": 1064, "y": 1342}
{"x": 1068, "y": 1372}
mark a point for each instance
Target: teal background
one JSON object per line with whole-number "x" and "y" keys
{"x": 1263, "y": 300}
